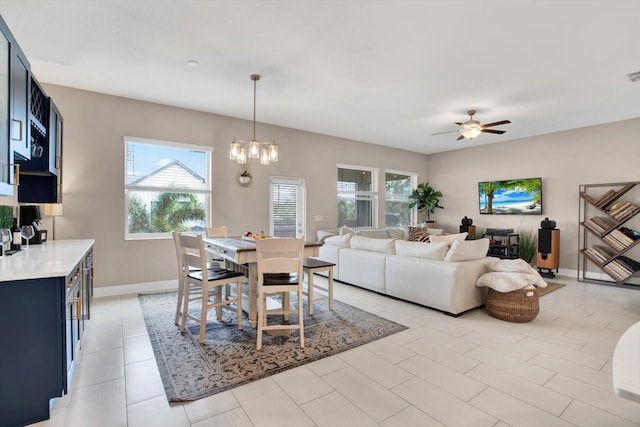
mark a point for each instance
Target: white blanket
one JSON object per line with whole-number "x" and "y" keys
{"x": 510, "y": 275}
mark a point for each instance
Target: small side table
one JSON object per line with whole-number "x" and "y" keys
{"x": 311, "y": 266}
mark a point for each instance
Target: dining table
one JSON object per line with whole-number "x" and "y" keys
{"x": 242, "y": 252}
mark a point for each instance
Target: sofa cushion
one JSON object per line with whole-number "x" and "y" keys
{"x": 385, "y": 246}
{"x": 341, "y": 241}
{"x": 374, "y": 234}
{"x": 466, "y": 250}
{"x": 449, "y": 238}
{"x": 418, "y": 234}
{"x": 436, "y": 251}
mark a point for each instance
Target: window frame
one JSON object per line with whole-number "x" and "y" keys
{"x": 373, "y": 193}
{"x": 207, "y": 192}
{"x": 401, "y": 197}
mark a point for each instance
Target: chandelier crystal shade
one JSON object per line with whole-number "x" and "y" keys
{"x": 240, "y": 151}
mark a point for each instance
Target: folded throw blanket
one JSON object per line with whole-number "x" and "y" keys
{"x": 510, "y": 275}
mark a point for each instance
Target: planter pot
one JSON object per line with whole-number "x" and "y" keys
{"x": 244, "y": 180}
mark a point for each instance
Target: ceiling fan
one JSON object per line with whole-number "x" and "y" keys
{"x": 472, "y": 128}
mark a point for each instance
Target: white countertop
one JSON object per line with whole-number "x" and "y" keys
{"x": 626, "y": 364}
{"x": 55, "y": 258}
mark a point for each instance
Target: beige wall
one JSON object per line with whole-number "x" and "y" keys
{"x": 93, "y": 167}
{"x": 598, "y": 154}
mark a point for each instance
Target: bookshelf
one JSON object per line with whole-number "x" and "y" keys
{"x": 606, "y": 235}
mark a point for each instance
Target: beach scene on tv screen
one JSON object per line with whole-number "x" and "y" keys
{"x": 514, "y": 197}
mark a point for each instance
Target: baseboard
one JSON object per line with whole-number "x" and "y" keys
{"x": 135, "y": 288}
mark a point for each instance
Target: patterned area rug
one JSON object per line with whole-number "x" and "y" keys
{"x": 229, "y": 358}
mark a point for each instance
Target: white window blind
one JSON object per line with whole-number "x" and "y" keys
{"x": 287, "y": 207}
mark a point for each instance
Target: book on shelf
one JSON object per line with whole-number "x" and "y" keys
{"x": 606, "y": 198}
{"x": 613, "y": 273}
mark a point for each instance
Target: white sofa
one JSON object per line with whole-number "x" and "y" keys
{"x": 441, "y": 274}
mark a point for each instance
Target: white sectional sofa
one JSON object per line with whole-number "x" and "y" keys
{"x": 440, "y": 274}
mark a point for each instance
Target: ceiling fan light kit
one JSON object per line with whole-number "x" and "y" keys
{"x": 472, "y": 128}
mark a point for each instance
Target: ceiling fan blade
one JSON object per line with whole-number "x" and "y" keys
{"x": 499, "y": 132}
{"x": 503, "y": 122}
{"x": 459, "y": 123}
{"x": 449, "y": 131}
{"x": 460, "y": 137}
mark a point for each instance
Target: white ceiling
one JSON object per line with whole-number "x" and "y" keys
{"x": 385, "y": 72}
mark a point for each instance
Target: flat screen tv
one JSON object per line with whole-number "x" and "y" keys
{"x": 511, "y": 197}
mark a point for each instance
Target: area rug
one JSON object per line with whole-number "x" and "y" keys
{"x": 551, "y": 286}
{"x": 191, "y": 371}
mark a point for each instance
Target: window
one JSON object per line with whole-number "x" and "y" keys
{"x": 167, "y": 187}
{"x": 287, "y": 211}
{"x": 398, "y": 187}
{"x": 357, "y": 196}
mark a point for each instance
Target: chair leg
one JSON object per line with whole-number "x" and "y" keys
{"x": 301, "y": 315}
{"x": 331, "y": 288}
{"x": 203, "y": 313}
{"x": 180, "y": 296}
{"x": 310, "y": 290}
{"x": 185, "y": 304}
{"x": 259, "y": 325}
{"x": 239, "y": 302}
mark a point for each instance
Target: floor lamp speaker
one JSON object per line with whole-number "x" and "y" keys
{"x": 548, "y": 257}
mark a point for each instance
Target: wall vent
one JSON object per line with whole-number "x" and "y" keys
{"x": 634, "y": 77}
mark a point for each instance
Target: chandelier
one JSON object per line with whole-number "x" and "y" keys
{"x": 240, "y": 151}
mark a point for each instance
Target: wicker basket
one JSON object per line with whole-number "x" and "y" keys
{"x": 519, "y": 306}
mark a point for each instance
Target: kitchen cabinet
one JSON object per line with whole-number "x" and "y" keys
{"x": 41, "y": 175}
{"x": 20, "y": 102}
{"x": 6, "y": 148}
{"x": 44, "y": 302}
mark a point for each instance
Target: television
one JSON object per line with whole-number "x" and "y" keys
{"x": 511, "y": 197}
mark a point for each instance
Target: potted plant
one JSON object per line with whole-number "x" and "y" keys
{"x": 527, "y": 245}
{"x": 245, "y": 177}
{"x": 425, "y": 198}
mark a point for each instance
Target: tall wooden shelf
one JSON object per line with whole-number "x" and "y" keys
{"x": 605, "y": 237}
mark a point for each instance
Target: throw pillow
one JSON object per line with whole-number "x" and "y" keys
{"x": 467, "y": 250}
{"x": 323, "y": 234}
{"x": 346, "y": 230}
{"x": 385, "y": 246}
{"x": 435, "y": 251}
{"x": 435, "y": 231}
{"x": 340, "y": 241}
{"x": 418, "y": 234}
{"x": 449, "y": 238}
{"x": 374, "y": 234}
{"x": 396, "y": 233}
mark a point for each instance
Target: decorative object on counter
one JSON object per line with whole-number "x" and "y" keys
{"x": 548, "y": 248}
{"x": 426, "y": 199}
{"x": 16, "y": 236}
{"x": 240, "y": 151}
{"x": 27, "y": 232}
{"x": 31, "y": 215}
{"x": 53, "y": 210}
{"x": 6, "y": 216}
{"x": 245, "y": 177}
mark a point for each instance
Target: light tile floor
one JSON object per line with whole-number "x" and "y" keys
{"x": 472, "y": 370}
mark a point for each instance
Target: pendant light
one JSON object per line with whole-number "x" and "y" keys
{"x": 240, "y": 151}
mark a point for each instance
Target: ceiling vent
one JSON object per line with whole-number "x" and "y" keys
{"x": 634, "y": 77}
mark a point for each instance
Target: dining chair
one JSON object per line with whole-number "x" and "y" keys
{"x": 279, "y": 264}
{"x": 181, "y": 277}
{"x": 205, "y": 284}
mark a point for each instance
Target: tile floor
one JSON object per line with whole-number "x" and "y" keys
{"x": 468, "y": 371}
